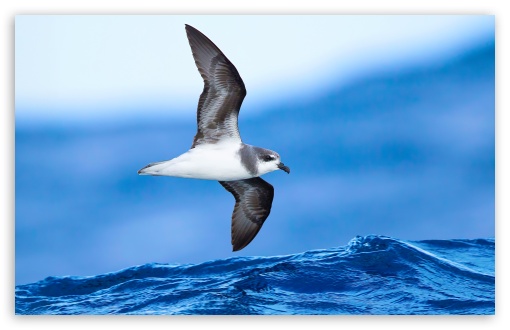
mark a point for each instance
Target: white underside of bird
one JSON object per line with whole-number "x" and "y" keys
{"x": 219, "y": 162}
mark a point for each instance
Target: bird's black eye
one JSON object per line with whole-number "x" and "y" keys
{"x": 268, "y": 158}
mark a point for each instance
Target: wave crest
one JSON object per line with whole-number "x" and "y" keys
{"x": 370, "y": 275}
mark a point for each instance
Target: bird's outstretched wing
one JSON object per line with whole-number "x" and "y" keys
{"x": 254, "y": 198}
{"x": 223, "y": 94}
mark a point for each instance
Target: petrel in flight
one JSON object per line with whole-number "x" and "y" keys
{"x": 217, "y": 152}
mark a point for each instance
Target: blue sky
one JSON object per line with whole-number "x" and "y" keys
{"x": 90, "y": 67}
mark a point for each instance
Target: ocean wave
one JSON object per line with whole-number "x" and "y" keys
{"x": 370, "y": 275}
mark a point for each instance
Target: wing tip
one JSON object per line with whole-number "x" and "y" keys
{"x": 238, "y": 247}
{"x": 190, "y": 29}
{"x": 243, "y": 235}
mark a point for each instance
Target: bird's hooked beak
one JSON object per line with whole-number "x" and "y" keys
{"x": 282, "y": 167}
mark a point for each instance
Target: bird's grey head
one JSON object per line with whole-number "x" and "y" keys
{"x": 268, "y": 161}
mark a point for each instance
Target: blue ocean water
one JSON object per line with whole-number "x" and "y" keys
{"x": 370, "y": 275}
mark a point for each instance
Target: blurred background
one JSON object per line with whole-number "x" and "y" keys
{"x": 387, "y": 123}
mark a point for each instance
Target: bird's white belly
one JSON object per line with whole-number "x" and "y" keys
{"x": 212, "y": 162}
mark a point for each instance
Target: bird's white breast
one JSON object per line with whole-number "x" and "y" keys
{"x": 219, "y": 162}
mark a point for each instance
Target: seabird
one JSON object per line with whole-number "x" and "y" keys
{"x": 217, "y": 152}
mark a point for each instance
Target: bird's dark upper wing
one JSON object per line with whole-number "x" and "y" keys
{"x": 254, "y": 198}
{"x": 223, "y": 94}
